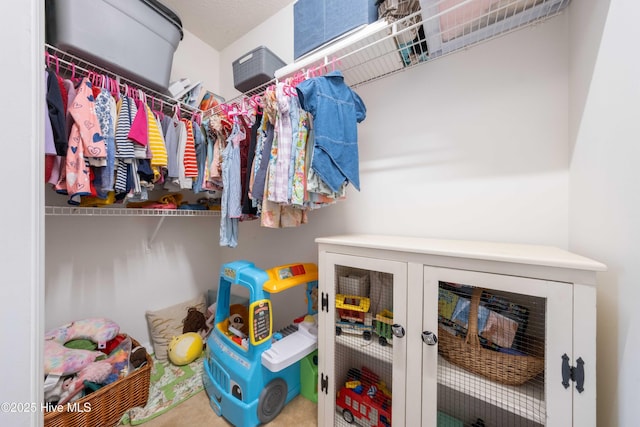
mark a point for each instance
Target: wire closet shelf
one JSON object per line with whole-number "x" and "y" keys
{"x": 439, "y": 28}
{"x": 123, "y": 211}
{"x": 68, "y": 64}
{"x": 388, "y": 46}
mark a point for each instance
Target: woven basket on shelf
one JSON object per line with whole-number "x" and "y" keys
{"x": 106, "y": 406}
{"x": 469, "y": 354}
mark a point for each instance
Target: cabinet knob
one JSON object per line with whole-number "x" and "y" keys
{"x": 429, "y": 338}
{"x": 398, "y": 330}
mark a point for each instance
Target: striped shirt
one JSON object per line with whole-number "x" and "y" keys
{"x": 126, "y": 112}
{"x": 190, "y": 160}
{"x": 156, "y": 141}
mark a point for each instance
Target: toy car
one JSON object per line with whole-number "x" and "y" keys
{"x": 353, "y": 315}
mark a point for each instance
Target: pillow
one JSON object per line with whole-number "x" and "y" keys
{"x": 96, "y": 329}
{"x": 59, "y": 360}
{"x": 166, "y": 323}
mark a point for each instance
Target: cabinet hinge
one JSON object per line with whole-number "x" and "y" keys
{"x": 324, "y": 383}
{"x": 573, "y": 373}
{"x": 325, "y": 302}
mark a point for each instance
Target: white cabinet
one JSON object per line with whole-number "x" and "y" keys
{"x": 395, "y": 312}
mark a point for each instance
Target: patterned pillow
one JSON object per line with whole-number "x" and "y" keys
{"x": 60, "y": 360}
{"x": 96, "y": 329}
{"x": 166, "y": 323}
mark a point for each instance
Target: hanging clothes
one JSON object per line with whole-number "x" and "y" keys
{"x": 105, "y": 104}
{"x": 49, "y": 144}
{"x": 156, "y": 145}
{"x": 85, "y": 143}
{"x": 189, "y": 159}
{"x": 56, "y": 114}
{"x": 231, "y": 209}
{"x": 201, "y": 156}
{"x": 58, "y": 173}
{"x": 261, "y": 161}
{"x": 171, "y": 143}
{"x": 180, "y": 181}
{"x": 247, "y": 207}
{"x": 126, "y": 113}
{"x": 278, "y": 176}
{"x": 336, "y": 112}
{"x": 297, "y": 173}
{"x": 139, "y": 131}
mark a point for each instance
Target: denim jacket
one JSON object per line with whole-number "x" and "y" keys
{"x": 336, "y": 111}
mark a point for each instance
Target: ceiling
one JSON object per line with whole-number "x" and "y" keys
{"x": 221, "y": 22}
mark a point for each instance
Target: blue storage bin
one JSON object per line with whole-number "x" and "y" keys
{"x": 316, "y": 22}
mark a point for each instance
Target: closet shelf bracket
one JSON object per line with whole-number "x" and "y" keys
{"x": 155, "y": 233}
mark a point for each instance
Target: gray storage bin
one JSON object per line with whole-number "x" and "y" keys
{"x": 255, "y": 68}
{"x": 132, "y": 38}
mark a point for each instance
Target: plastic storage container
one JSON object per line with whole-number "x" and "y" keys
{"x": 133, "y": 38}
{"x": 255, "y": 68}
{"x": 457, "y": 25}
{"x": 317, "y": 22}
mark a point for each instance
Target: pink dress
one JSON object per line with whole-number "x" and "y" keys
{"x": 85, "y": 142}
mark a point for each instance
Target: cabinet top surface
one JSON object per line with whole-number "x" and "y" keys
{"x": 491, "y": 251}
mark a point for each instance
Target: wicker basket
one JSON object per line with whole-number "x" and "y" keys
{"x": 105, "y": 407}
{"x": 467, "y": 353}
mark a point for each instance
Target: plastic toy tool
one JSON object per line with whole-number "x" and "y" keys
{"x": 250, "y": 370}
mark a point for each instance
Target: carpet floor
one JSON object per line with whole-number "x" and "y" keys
{"x": 195, "y": 411}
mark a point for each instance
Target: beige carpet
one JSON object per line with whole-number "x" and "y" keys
{"x": 195, "y": 411}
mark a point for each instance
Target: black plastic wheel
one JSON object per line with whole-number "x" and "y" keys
{"x": 367, "y": 335}
{"x": 382, "y": 341}
{"x": 271, "y": 400}
{"x": 347, "y": 415}
{"x": 338, "y": 330}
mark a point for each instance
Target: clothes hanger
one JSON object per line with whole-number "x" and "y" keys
{"x": 114, "y": 88}
{"x": 57, "y": 64}
{"x": 125, "y": 87}
{"x": 159, "y": 112}
{"x": 243, "y": 108}
{"x": 177, "y": 114}
{"x": 256, "y": 101}
{"x": 195, "y": 117}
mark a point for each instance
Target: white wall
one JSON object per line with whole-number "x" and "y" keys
{"x": 276, "y": 33}
{"x": 471, "y": 146}
{"x": 115, "y": 274}
{"x": 197, "y": 61}
{"x": 21, "y": 228}
{"x": 605, "y": 195}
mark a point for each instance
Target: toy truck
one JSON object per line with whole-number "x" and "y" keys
{"x": 365, "y": 399}
{"x": 249, "y": 377}
{"x": 353, "y": 315}
{"x": 384, "y": 327}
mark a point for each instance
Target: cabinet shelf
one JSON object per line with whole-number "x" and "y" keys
{"x": 122, "y": 211}
{"x": 526, "y": 400}
{"x": 370, "y": 348}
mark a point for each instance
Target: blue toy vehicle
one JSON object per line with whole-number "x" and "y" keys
{"x": 250, "y": 376}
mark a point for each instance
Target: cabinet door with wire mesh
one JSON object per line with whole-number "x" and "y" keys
{"x": 365, "y": 349}
{"x": 493, "y": 350}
